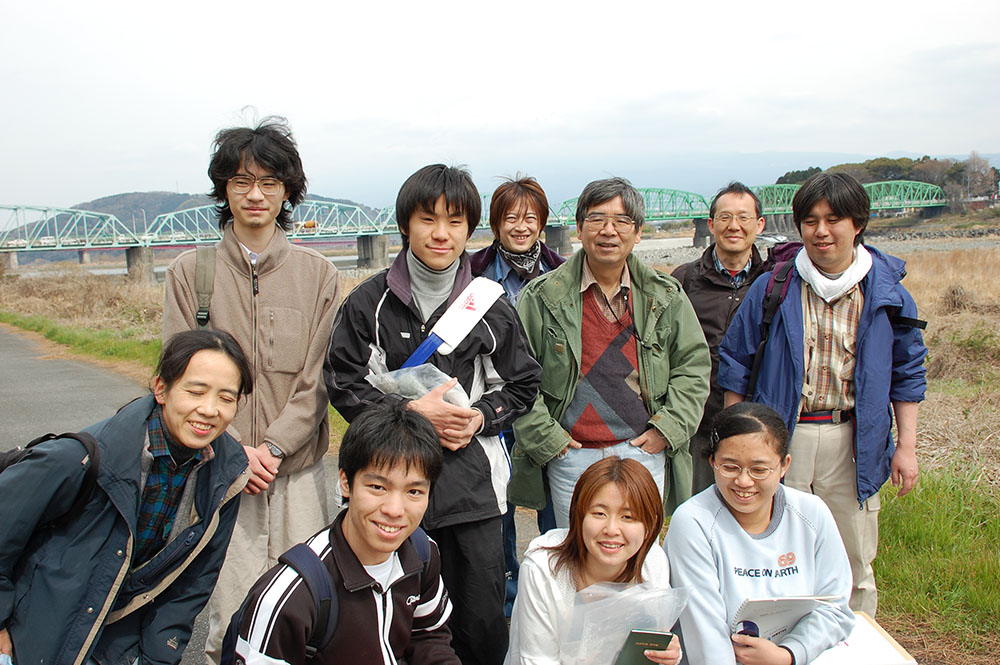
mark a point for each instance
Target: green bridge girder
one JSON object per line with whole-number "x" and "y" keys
{"x": 887, "y": 195}
{"x": 40, "y": 228}
{"x": 776, "y": 199}
{"x": 893, "y": 194}
{"x": 661, "y": 205}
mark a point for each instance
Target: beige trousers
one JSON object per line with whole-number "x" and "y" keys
{"x": 823, "y": 464}
{"x": 292, "y": 509}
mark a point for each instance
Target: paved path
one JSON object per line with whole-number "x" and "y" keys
{"x": 40, "y": 394}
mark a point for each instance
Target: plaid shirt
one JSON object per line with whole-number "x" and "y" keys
{"x": 162, "y": 492}
{"x": 614, "y": 308}
{"x": 737, "y": 279}
{"x": 830, "y": 340}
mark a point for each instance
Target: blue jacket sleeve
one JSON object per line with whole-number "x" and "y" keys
{"x": 36, "y": 490}
{"x": 908, "y": 352}
{"x": 742, "y": 337}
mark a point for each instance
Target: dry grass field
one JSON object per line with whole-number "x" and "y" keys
{"x": 959, "y": 424}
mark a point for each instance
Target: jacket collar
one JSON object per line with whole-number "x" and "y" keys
{"x": 483, "y": 259}
{"x": 267, "y": 261}
{"x": 352, "y": 572}
{"x": 397, "y": 279}
{"x": 120, "y": 466}
{"x": 707, "y": 266}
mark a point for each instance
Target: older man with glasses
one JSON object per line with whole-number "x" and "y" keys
{"x": 716, "y": 285}
{"x": 625, "y": 365}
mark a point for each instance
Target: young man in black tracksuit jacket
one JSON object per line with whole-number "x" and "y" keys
{"x": 377, "y": 328}
{"x": 390, "y": 601}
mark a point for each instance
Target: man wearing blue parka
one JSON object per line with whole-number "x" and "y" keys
{"x": 844, "y": 357}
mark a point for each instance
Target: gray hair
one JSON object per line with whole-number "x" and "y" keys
{"x": 600, "y": 191}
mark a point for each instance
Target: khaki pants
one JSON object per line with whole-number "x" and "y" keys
{"x": 291, "y": 510}
{"x": 823, "y": 464}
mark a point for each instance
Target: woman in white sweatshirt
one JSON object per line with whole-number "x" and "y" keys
{"x": 748, "y": 536}
{"x": 615, "y": 517}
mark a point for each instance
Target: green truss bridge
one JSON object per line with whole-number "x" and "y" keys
{"x": 39, "y": 228}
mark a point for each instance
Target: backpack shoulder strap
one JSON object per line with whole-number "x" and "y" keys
{"x": 774, "y": 294}
{"x": 908, "y": 322}
{"x": 423, "y": 546}
{"x": 317, "y": 578}
{"x": 204, "y": 282}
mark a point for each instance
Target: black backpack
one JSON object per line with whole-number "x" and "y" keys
{"x": 314, "y": 573}
{"x": 93, "y": 455}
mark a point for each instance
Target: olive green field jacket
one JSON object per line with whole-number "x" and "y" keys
{"x": 674, "y": 370}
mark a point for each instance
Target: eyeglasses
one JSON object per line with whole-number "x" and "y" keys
{"x": 596, "y": 222}
{"x": 735, "y": 471}
{"x": 743, "y": 218}
{"x": 241, "y": 184}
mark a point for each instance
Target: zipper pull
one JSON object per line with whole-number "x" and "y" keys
{"x": 255, "y": 289}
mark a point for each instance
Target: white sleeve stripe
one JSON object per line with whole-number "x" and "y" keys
{"x": 271, "y": 601}
{"x": 378, "y": 310}
{"x": 444, "y": 618}
{"x": 424, "y": 609}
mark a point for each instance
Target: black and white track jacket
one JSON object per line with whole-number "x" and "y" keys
{"x": 377, "y": 328}
{"x": 406, "y": 623}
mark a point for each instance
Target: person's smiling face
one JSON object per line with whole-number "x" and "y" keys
{"x": 611, "y": 534}
{"x": 742, "y": 457}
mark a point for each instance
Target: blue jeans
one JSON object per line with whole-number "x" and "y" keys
{"x": 546, "y": 520}
{"x": 564, "y": 471}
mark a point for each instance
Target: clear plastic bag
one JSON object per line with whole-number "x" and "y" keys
{"x": 415, "y": 382}
{"x": 603, "y": 614}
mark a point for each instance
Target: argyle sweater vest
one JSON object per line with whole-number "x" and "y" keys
{"x": 606, "y": 408}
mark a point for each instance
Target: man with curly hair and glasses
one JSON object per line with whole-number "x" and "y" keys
{"x": 278, "y": 300}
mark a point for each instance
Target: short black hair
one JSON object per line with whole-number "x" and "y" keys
{"x": 749, "y": 418}
{"x": 599, "y": 191}
{"x": 269, "y": 145}
{"x": 422, "y": 190}
{"x": 739, "y": 189}
{"x": 180, "y": 348}
{"x": 386, "y": 434}
{"x": 846, "y": 196}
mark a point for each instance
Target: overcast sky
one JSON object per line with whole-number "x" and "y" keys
{"x": 101, "y": 97}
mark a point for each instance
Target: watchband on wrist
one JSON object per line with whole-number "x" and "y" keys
{"x": 275, "y": 450}
{"x": 781, "y": 646}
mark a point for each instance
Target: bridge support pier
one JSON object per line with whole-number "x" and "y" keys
{"x": 85, "y": 259}
{"x": 139, "y": 261}
{"x": 373, "y": 252}
{"x": 702, "y": 236}
{"x": 558, "y": 239}
{"x": 8, "y": 261}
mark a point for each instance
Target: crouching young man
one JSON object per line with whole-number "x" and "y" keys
{"x": 392, "y": 605}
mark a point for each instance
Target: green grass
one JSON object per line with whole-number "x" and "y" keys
{"x": 939, "y": 556}
{"x": 107, "y": 344}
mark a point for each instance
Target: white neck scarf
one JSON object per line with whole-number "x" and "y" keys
{"x": 831, "y": 289}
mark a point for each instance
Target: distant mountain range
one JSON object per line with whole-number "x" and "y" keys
{"x": 137, "y": 210}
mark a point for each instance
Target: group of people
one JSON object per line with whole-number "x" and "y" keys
{"x": 750, "y": 400}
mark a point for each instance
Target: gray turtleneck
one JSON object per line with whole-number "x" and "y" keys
{"x": 430, "y": 287}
